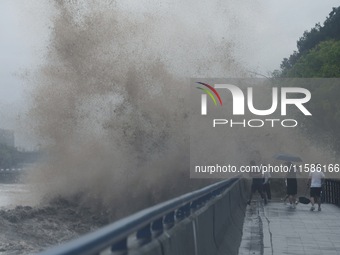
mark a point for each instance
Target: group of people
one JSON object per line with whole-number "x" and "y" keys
{"x": 314, "y": 183}
{"x": 261, "y": 184}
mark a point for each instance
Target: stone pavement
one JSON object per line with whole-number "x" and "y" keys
{"x": 277, "y": 229}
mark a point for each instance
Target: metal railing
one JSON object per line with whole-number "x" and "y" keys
{"x": 331, "y": 192}
{"x": 143, "y": 226}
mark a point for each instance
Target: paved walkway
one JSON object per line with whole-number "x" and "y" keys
{"x": 278, "y": 229}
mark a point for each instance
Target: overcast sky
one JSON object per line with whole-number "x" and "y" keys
{"x": 24, "y": 35}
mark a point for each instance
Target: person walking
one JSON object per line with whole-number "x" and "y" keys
{"x": 257, "y": 182}
{"x": 266, "y": 185}
{"x": 315, "y": 182}
{"x": 291, "y": 184}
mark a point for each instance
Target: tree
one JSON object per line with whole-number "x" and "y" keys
{"x": 310, "y": 39}
{"x": 318, "y": 56}
{"x": 323, "y": 61}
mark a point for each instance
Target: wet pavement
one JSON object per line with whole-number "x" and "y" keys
{"x": 278, "y": 229}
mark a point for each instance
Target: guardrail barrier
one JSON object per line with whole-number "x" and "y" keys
{"x": 206, "y": 221}
{"x": 331, "y": 192}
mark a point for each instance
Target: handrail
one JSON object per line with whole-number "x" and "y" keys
{"x": 114, "y": 236}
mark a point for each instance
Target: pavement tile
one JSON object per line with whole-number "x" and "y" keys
{"x": 295, "y": 231}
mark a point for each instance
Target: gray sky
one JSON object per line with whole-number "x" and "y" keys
{"x": 263, "y": 43}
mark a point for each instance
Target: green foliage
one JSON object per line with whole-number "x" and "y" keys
{"x": 310, "y": 39}
{"x": 329, "y": 30}
{"x": 323, "y": 61}
{"x": 318, "y": 56}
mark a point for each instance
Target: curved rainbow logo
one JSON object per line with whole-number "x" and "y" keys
{"x": 209, "y": 92}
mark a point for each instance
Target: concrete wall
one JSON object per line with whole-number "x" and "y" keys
{"x": 214, "y": 229}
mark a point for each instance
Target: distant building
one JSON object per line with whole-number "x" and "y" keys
{"x": 7, "y": 137}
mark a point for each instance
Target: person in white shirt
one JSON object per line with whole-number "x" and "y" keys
{"x": 315, "y": 182}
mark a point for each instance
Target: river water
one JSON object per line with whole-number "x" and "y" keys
{"x": 29, "y": 226}
{"x": 12, "y": 195}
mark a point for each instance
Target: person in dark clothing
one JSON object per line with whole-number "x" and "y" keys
{"x": 257, "y": 183}
{"x": 291, "y": 184}
{"x": 266, "y": 185}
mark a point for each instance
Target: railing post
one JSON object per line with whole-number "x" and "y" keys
{"x": 332, "y": 195}
{"x": 337, "y": 193}
{"x": 169, "y": 220}
{"x": 157, "y": 227}
{"x": 182, "y": 212}
{"x": 328, "y": 186}
{"x": 120, "y": 248}
{"x": 334, "y": 190}
{"x": 334, "y": 187}
{"x": 127, "y": 235}
{"x": 324, "y": 193}
{"x": 144, "y": 235}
